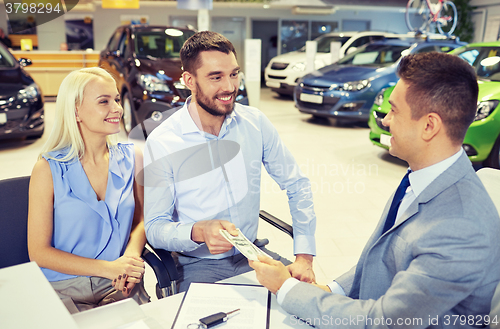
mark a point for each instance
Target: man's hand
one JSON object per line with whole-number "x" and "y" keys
{"x": 270, "y": 273}
{"x": 207, "y": 231}
{"x": 302, "y": 268}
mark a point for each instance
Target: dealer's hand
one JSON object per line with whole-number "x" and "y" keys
{"x": 207, "y": 231}
{"x": 270, "y": 273}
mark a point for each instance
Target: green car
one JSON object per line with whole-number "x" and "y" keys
{"x": 482, "y": 141}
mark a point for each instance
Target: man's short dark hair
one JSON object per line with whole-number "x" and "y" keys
{"x": 444, "y": 84}
{"x": 203, "y": 41}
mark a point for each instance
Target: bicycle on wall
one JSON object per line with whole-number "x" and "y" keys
{"x": 422, "y": 15}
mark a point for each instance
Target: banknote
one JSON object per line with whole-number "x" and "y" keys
{"x": 240, "y": 242}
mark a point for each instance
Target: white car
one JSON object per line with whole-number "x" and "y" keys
{"x": 283, "y": 71}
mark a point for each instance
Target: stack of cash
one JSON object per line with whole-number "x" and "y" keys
{"x": 240, "y": 242}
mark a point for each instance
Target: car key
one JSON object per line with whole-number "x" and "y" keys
{"x": 215, "y": 319}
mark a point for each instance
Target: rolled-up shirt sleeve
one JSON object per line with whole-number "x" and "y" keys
{"x": 159, "y": 203}
{"x": 282, "y": 167}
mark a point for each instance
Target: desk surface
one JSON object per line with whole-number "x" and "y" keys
{"x": 164, "y": 310}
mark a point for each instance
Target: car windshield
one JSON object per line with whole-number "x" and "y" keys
{"x": 374, "y": 55}
{"x": 325, "y": 41}
{"x": 160, "y": 44}
{"x": 6, "y": 59}
{"x": 485, "y": 60}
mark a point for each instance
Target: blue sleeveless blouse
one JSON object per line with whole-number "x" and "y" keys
{"x": 83, "y": 225}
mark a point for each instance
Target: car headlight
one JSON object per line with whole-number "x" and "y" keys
{"x": 152, "y": 83}
{"x": 484, "y": 109}
{"x": 30, "y": 92}
{"x": 299, "y": 66}
{"x": 380, "y": 97}
{"x": 355, "y": 85}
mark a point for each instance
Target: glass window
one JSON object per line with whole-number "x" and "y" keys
{"x": 325, "y": 41}
{"x": 123, "y": 43}
{"x": 161, "y": 43}
{"x": 6, "y": 59}
{"x": 426, "y": 49}
{"x": 113, "y": 43}
{"x": 469, "y": 55}
{"x": 488, "y": 64}
{"x": 294, "y": 35}
{"x": 374, "y": 55}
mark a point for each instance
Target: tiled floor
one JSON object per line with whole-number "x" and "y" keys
{"x": 351, "y": 181}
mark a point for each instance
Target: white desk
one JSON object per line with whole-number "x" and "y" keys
{"x": 27, "y": 300}
{"x": 164, "y": 310}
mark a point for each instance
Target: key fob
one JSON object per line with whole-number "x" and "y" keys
{"x": 213, "y": 320}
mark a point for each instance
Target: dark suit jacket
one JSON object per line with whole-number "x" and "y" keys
{"x": 442, "y": 261}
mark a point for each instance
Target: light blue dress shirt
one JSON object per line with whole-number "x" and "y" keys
{"x": 83, "y": 225}
{"x": 191, "y": 175}
{"x": 419, "y": 180}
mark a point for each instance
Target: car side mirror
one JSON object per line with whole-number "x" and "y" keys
{"x": 24, "y": 62}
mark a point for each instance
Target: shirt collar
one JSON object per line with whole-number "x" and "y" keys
{"x": 189, "y": 126}
{"x": 187, "y": 122}
{"x": 420, "y": 179}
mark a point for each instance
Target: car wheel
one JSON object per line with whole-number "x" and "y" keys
{"x": 493, "y": 159}
{"x": 128, "y": 116}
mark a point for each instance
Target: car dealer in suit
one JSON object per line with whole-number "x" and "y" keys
{"x": 434, "y": 258}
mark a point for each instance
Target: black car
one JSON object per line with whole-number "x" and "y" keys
{"x": 146, "y": 65}
{"x": 21, "y": 101}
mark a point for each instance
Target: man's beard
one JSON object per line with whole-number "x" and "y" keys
{"x": 210, "y": 106}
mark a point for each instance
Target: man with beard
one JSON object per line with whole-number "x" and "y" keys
{"x": 203, "y": 170}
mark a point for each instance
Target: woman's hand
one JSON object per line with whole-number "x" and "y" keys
{"x": 132, "y": 268}
{"x": 121, "y": 283}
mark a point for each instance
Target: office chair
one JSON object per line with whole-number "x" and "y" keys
{"x": 14, "y": 237}
{"x": 14, "y": 221}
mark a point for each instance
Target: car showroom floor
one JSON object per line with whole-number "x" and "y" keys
{"x": 351, "y": 182}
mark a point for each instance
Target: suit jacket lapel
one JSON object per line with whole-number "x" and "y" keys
{"x": 449, "y": 177}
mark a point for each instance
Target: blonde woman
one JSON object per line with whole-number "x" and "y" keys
{"x": 85, "y": 222}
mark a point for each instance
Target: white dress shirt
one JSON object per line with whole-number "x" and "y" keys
{"x": 191, "y": 175}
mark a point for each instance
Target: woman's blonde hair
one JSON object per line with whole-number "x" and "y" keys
{"x": 65, "y": 132}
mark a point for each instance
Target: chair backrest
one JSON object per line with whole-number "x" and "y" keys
{"x": 491, "y": 180}
{"x": 14, "y": 221}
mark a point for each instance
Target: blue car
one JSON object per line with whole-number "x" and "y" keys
{"x": 346, "y": 90}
